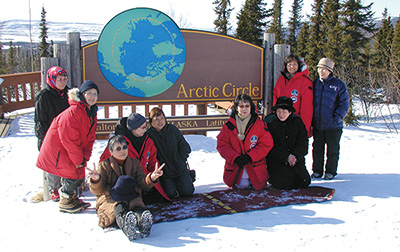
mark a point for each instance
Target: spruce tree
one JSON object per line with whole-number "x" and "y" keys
{"x": 223, "y": 12}
{"x": 251, "y": 21}
{"x": 12, "y": 59}
{"x": 315, "y": 46}
{"x": 43, "y": 46}
{"x": 276, "y": 24}
{"x": 303, "y": 43}
{"x": 332, "y": 30}
{"x": 396, "y": 48}
{"x": 3, "y": 64}
{"x": 294, "y": 24}
{"x": 358, "y": 26}
{"x": 383, "y": 42}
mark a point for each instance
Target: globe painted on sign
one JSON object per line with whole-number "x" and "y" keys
{"x": 141, "y": 52}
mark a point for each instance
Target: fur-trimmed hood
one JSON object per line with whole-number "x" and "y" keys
{"x": 75, "y": 95}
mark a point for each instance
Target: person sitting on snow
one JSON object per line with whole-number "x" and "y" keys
{"x": 133, "y": 128}
{"x": 118, "y": 183}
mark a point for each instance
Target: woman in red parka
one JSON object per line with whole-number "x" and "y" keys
{"x": 244, "y": 143}
{"x": 68, "y": 144}
{"x": 296, "y": 84}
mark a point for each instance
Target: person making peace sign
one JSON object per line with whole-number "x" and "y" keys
{"x": 118, "y": 182}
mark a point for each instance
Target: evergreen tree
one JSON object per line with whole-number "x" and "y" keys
{"x": 358, "y": 26}
{"x": 223, "y": 12}
{"x": 276, "y": 24}
{"x": 303, "y": 43}
{"x": 396, "y": 47}
{"x": 43, "y": 45}
{"x": 3, "y": 64}
{"x": 294, "y": 24}
{"x": 251, "y": 21}
{"x": 383, "y": 42}
{"x": 12, "y": 59}
{"x": 332, "y": 30}
{"x": 315, "y": 45}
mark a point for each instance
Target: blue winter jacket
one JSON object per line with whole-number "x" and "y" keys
{"x": 331, "y": 103}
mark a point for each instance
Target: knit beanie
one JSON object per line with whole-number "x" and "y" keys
{"x": 88, "y": 84}
{"x": 134, "y": 121}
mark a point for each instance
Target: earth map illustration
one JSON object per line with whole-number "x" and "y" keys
{"x": 141, "y": 52}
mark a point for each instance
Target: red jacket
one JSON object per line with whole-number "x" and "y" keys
{"x": 69, "y": 140}
{"x": 147, "y": 157}
{"x": 300, "y": 89}
{"x": 257, "y": 143}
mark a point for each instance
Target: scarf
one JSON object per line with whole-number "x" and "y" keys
{"x": 241, "y": 124}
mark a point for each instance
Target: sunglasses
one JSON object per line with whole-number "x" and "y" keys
{"x": 124, "y": 147}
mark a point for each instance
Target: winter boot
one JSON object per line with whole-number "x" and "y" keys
{"x": 145, "y": 222}
{"x": 70, "y": 204}
{"x": 83, "y": 203}
{"x": 128, "y": 223}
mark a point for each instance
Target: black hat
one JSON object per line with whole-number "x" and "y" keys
{"x": 134, "y": 121}
{"x": 284, "y": 103}
{"x": 124, "y": 189}
{"x": 88, "y": 84}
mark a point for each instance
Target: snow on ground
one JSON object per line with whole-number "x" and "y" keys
{"x": 363, "y": 215}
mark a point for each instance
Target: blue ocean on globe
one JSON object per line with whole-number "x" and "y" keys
{"x": 141, "y": 52}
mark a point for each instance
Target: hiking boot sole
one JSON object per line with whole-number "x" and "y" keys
{"x": 145, "y": 223}
{"x": 75, "y": 209}
{"x": 130, "y": 226}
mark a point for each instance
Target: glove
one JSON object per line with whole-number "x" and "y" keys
{"x": 242, "y": 160}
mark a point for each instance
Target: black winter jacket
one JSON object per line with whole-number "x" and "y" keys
{"x": 290, "y": 137}
{"x": 172, "y": 149}
{"x": 48, "y": 104}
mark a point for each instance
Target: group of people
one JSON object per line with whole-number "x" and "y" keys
{"x": 273, "y": 150}
{"x": 140, "y": 165}
{"x": 143, "y": 165}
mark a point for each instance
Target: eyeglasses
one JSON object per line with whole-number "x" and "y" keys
{"x": 144, "y": 127}
{"x": 244, "y": 106}
{"x": 158, "y": 119}
{"x": 124, "y": 147}
{"x": 91, "y": 94}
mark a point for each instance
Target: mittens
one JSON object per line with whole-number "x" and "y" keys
{"x": 242, "y": 160}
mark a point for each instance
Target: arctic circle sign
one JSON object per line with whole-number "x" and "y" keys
{"x": 142, "y": 57}
{"x": 141, "y": 52}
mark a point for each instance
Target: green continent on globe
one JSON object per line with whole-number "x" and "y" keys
{"x": 141, "y": 52}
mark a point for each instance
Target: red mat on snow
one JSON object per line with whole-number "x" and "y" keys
{"x": 234, "y": 201}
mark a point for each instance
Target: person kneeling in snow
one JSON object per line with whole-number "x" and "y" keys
{"x": 118, "y": 183}
{"x": 285, "y": 162}
{"x": 244, "y": 142}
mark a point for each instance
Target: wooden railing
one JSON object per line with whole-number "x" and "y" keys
{"x": 170, "y": 109}
{"x": 18, "y": 91}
